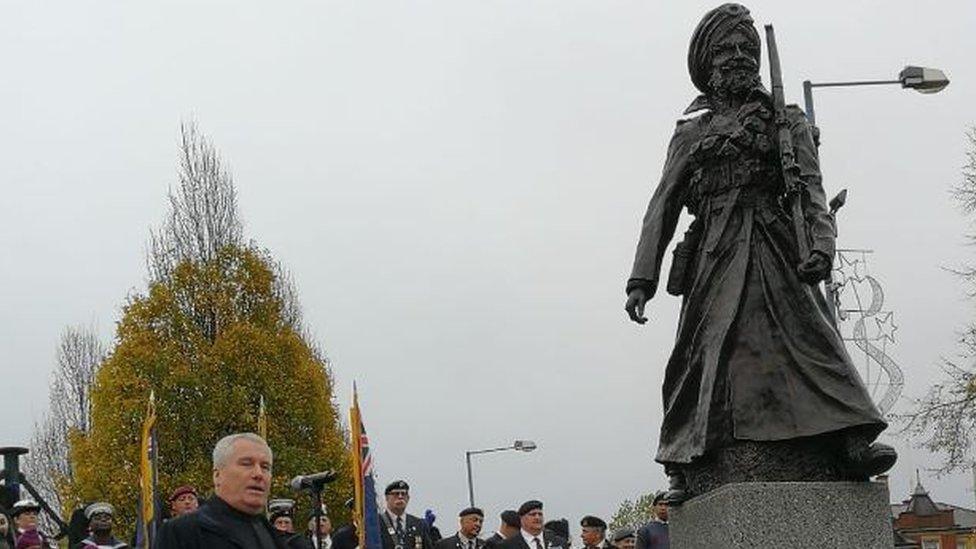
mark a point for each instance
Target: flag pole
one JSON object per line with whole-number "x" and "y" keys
{"x": 355, "y": 423}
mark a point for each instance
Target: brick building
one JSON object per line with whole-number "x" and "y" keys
{"x": 922, "y": 523}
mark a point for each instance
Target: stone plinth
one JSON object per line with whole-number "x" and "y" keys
{"x": 795, "y": 515}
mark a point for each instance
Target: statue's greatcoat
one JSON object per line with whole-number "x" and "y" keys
{"x": 757, "y": 356}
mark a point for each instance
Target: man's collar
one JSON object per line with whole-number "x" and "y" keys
{"x": 706, "y": 101}
{"x": 394, "y": 515}
{"x": 529, "y": 537}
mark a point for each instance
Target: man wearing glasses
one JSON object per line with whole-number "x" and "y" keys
{"x": 400, "y": 530}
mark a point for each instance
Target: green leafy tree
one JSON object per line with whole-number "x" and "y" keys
{"x": 632, "y": 513}
{"x": 216, "y": 330}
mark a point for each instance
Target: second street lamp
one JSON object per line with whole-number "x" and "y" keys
{"x": 520, "y": 445}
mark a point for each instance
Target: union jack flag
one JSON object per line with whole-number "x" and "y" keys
{"x": 365, "y": 513}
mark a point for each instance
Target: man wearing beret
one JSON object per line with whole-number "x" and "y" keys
{"x": 469, "y": 526}
{"x": 398, "y": 529}
{"x": 654, "y": 534}
{"x": 183, "y": 500}
{"x": 510, "y": 525}
{"x": 100, "y": 517}
{"x": 594, "y": 533}
{"x": 531, "y": 533}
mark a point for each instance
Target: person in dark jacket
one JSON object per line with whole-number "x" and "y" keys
{"x": 654, "y": 534}
{"x": 399, "y": 529}
{"x": 509, "y": 526}
{"x": 594, "y": 533}
{"x": 531, "y": 534}
{"x": 469, "y": 526}
{"x": 559, "y": 527}
{"x": 234, "y": 516}
{"x": 346, "y": 536}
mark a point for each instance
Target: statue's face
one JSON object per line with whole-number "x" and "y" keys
{"x": 735, "y": 64}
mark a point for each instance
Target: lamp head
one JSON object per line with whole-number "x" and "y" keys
{"x": 524, "y": 445}
{"x": 923, "y": 79}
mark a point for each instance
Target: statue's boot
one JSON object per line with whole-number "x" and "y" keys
{"x": 865, "y": 459}
{"x": 677, "y": 488}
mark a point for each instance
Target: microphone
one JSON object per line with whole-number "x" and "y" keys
{"x": 314, "y": 481}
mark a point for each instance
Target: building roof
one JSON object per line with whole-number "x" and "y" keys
{"x": 921, "y": 504}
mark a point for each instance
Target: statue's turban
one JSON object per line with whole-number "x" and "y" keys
{"x": 713, "y": 27}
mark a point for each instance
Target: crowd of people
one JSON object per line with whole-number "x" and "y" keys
{"x": 240, "y": 515}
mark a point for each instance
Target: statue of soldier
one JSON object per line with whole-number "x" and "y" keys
{"x": 759, "y": 386}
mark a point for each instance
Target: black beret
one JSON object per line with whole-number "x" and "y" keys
{"x": 528, "y": 506}
{"x": 511, "y": 518}
{"x": 472, "y": 511}
{"x": 396, "y": 485}
{"x": 589, "y": 521}
{"x": 559, "y": 526}
{"x": 659, "y": 497}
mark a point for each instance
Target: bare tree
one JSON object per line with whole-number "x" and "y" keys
{"x": 202, "y": 222}
{"x": 79, "y": 356}
{"x": 203, "y": 216}
{"x": 944, "y": 420}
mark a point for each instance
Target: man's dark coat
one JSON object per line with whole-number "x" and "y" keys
{"x": 495, "y": 540}
{"x": 414, "y": 527}
{"x": 454, "y": 542}
{"x": 210, "y": 528}
{"x": 548, "y": 540}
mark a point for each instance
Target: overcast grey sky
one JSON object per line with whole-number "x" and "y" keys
{"x": 457, "y": 188}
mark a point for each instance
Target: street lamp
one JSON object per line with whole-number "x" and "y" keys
{"x": 520, "y": 445}
{"x": 921, "y": 79}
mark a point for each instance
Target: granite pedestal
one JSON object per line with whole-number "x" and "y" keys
{"x": 795, "y": 515}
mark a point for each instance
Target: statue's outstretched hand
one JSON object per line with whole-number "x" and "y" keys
{"x": 815, "y": 268}
{"x": 636, "y": 300}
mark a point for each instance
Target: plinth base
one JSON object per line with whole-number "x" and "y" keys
{"x": 794, "y": 515}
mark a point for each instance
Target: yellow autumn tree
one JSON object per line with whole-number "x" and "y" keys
{"x": 215, "y": 332}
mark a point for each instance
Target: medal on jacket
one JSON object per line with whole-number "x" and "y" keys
{"x": 418, "y": 542}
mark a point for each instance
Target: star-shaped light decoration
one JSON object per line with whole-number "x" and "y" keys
{"x": 886, "y": 326}
{"x": 850, "y": 269}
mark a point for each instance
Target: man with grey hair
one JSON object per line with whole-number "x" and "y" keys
{"x": 234, "y": 516}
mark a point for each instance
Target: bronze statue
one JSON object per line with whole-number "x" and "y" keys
{"x": 759, "y": 386}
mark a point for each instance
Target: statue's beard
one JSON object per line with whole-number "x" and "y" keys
{"x": 734, "y": 81}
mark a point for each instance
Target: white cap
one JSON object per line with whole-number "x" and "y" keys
{"x": 99, "y": 507}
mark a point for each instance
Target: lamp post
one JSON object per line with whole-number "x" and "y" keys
{"x": 520, "y": 445}
{"x": 920, "y": 79}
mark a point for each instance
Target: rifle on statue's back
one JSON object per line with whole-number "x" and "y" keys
{"x": 787, "y": 156}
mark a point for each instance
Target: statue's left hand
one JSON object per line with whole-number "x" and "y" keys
{"x": 815, "y": 268}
